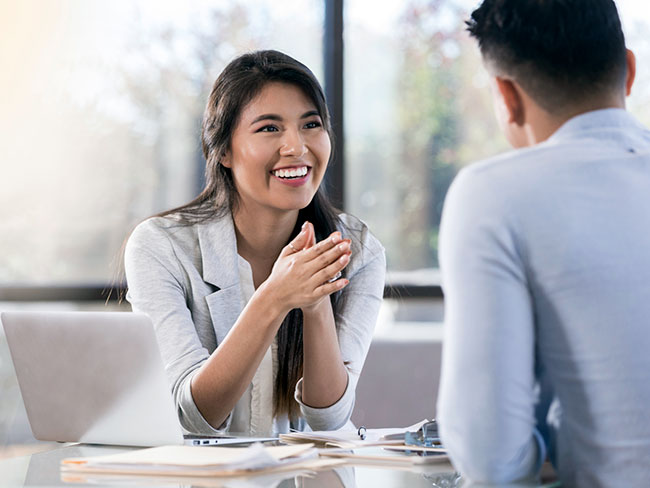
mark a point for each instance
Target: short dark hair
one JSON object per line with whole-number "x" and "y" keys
{"x": 561, "y": 52}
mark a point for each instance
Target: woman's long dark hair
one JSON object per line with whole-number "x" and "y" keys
{"x": 236, "y": 86}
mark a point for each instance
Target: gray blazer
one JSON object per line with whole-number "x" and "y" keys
{"x": 186, "y": 278}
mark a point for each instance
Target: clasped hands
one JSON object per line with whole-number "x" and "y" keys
{"x": 306, "y": 272}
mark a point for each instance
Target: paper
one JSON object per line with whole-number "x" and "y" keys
{"x": 349, "y": 439}
{"x": 267, "y": 478}
{"x": 383, "y": 459}
{"x": 404, "y": 448}
{"x": 196, "y": 461}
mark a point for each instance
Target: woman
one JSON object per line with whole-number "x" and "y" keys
{"x": 259, "y": 329}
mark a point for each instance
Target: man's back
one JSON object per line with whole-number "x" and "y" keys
{"x": 561, "y": 234}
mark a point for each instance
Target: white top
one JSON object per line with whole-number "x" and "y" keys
{"x": 545, "y": 259}
{"x": 255, "y": 408}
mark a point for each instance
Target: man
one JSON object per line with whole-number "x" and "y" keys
{"x": 545, "y": 255}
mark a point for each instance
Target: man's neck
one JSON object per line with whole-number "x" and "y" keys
{"x": 543, "y": 124}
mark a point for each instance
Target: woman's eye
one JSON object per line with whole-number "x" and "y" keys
{"x": 268, "y": 128}
{"x": 312, "y": 125}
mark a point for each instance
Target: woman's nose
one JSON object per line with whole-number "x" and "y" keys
{"x": 293, "y": 144}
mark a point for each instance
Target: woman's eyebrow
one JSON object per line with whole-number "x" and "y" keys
{"x": 310, "y": 113}
{"x": 278, "y": 118}
{"x": 266, "y": 117}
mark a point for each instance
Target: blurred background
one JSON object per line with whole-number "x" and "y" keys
{"x": 100, "y": 112}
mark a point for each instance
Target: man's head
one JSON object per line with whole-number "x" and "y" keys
{"x": 568, "y": 56}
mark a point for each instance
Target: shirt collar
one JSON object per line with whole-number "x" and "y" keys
{"x": 596, "y": 121}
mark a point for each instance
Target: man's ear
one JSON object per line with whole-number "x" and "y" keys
{"x": 512, "y": 101}
{"x": 631, "y": 71}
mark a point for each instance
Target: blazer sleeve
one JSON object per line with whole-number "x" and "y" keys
{"x": 355, "y": 322}
{"x": 156, "y": 286}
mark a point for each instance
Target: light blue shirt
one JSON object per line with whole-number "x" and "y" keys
{"x": 545, "y": 259}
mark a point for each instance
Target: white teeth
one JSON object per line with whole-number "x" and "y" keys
{"x": 291, "y": 172}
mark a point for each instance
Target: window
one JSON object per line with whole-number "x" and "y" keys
{"x": 101, "y": 113}
{"x": 636, "y": 21}
{"x": 418, "y": 109}
{"x": 102, "y": 102}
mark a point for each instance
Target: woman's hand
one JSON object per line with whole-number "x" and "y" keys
{"x": 306, "y": 272}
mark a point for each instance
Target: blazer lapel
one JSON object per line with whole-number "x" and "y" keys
{"x": 218, "y": 246}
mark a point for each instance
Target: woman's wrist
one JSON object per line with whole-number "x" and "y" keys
{"x": 274, "y": 306}
{"x": 315, "y": 311}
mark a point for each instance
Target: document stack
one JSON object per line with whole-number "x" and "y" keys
{"x": 194, "y": 461}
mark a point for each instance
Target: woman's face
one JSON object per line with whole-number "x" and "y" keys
{"x": 279, "y": 150}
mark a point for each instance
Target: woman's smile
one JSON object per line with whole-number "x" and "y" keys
{"x": 292, "y": 175}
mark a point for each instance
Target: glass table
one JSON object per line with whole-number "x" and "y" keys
{"x": 43, "y": 469}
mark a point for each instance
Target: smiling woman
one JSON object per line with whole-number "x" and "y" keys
{"x": 259, "y": 330}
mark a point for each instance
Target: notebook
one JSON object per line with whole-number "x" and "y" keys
{"x": 95, "y": 377}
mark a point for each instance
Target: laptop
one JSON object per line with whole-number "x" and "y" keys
{"x": 96, "y": 378}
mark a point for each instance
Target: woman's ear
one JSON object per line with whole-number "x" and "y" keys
{"x": 225, "y": 160}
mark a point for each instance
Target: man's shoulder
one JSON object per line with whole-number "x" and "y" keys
{"x": 513, "y": 161}
{"x": 603, "y": 135}
{"x": 529, "y": 171}
{"x": 494, "y": 178}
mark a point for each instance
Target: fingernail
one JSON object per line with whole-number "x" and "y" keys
{"x": 343, "y": 283}
{"x": 344, "y": 258}
{"x": 336, "y": 238}
{"x": 344, "y": 247}
{"x": 304, "y": 224}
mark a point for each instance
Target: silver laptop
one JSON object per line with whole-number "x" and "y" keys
{"x": 94, "y": 377}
